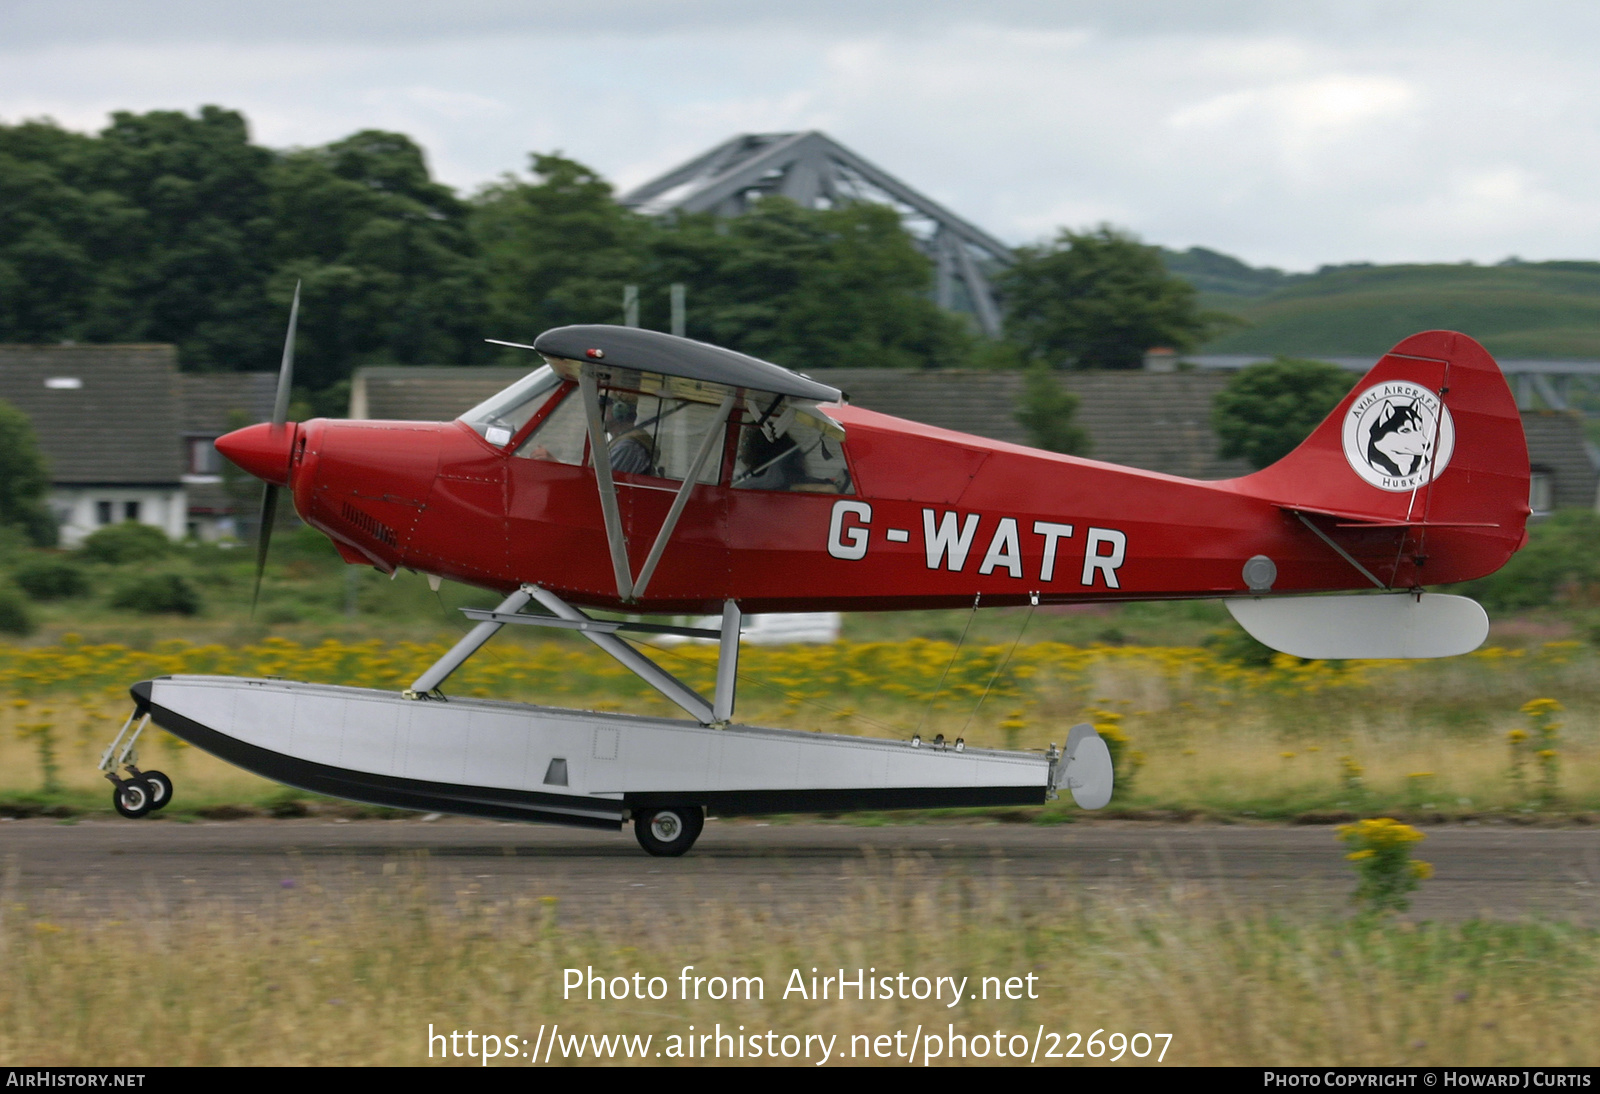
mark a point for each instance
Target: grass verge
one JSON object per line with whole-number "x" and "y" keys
{"x": 308, "y": 975}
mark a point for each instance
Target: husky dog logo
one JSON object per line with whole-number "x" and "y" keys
{"x": 1398, "y": 435}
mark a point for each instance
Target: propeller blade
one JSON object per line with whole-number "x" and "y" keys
{"x": 280, "y": 416}
{"x": 280, "y": 405}
{"x": 269, "y": 514}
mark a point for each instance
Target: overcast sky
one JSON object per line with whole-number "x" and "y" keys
{"x": 1287, "y": 133}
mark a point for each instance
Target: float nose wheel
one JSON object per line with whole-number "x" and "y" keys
{"x": 133, "y": 798}
{"x": 142, "y": 791}
{"x": 669, "y": 831}
{"x": 160, "y": 789}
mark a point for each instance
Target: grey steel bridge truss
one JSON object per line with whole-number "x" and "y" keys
{"x": 815, "y": 171}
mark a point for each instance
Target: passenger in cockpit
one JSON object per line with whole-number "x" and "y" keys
{"x": 776, "y": 464}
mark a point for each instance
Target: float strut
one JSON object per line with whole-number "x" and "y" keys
{"x": 630, "y": 658}
{"x": 469, "y": 645}
{"x": 727, "y": 664}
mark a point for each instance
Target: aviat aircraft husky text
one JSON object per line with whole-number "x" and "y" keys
{"x": 644, "y": 473}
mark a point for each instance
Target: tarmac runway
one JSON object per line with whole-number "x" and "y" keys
{"x": 94, "y": 867}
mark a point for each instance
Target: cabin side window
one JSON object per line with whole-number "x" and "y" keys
{"x": 560, "y": 437}
{"x": 663, "y": 438}
{"x": 794, "y": 456}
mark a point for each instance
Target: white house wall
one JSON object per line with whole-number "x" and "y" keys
{"x": 76, "y": 509}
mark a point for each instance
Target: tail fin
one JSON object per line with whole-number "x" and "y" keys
{"x": 1428, "y": 444}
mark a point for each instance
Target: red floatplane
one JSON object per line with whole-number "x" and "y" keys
{"x": 642, "y": 473}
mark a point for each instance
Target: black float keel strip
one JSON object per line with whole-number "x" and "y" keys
{"x": 538, "y": 807}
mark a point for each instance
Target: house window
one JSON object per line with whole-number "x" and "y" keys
{"x": 130, "y": 509}
{"x": 102, "y": 512}
{"x": 203, "y": 457}
{"x": 1541, "y": 491}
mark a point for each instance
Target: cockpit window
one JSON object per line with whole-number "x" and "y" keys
{"x": 646, "y": 435}
{"x": 561, "y": 436}
{"x": 498, "y": 418}
{"x": 790, "y": 454}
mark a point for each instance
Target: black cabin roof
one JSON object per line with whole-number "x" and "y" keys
{"x": 669, "y": 355}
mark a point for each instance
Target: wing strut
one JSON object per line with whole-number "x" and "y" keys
{"x": 470, "y": 643}
{"x": 616, "y": 539}
{"x": 707, "y": 443}
{"x": 629, "y": 589}
{"x": 630, "y": 658}
{"x": 727, "y": 664}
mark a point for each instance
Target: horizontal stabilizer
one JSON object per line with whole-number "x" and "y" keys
{"x": 1366, "y": 626}
{"x": 1357, "y": 520}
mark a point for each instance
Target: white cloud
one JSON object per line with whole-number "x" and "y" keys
{"x": 1323, "y": 104}
{"x": 1291, "y": 134}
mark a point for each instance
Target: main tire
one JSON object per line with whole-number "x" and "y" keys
{"x": 160, "y": 789}
{"x": 133, "y": 798}
{"x": 669, "y": 831}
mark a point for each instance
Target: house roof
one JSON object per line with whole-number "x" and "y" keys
{"x": 427, "y": 393}
{"x": 980, "y": 403}
{"x": 103, "y": 414}
{"x": 1155, "y": 421}
{"x": 213, "y": 400}
{"x": 1556, "y": 444}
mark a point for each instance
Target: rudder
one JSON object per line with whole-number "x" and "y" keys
{"x": 1429, "y": 441}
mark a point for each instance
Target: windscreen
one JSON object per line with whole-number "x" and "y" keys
{"x": 498, "y": 418}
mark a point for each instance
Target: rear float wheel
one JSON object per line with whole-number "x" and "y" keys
{"x": 669, "y": 831}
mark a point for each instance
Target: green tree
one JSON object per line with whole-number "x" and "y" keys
{"x": 196, "y": 256}
{"x": 1558, "y": 562}
{"x": 809, "y": 288}
{"x": 172, "y": 228}
{"x": 555, "y": 250}
{"x": 24, "y": 479}
{"x": 1047, "y": 413}
{"x": 1099, "y": 299}
{"x": 1268, "y": 409}
{"x": 386, "y": 255}
{"x": 156, "y": 230}
{"x": 805, "y": 288}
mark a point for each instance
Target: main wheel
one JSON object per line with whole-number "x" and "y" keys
{"x": 160, "y": 789}
{"x": 670, "y": 830}
{"x": 133, "y": 798}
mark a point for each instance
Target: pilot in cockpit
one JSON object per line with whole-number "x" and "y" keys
{"x": 632, "y": 450}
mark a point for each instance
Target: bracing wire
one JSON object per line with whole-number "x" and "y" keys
{"x": 934, "y": 694}
{"x": 998, "y": 669}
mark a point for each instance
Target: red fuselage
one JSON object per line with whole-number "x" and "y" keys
{"x": 935, "y": 519}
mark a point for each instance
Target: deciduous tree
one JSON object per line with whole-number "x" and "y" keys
{"x": 1268, "y": 409}
{"x": 24, "y": 479}
{"x": 1099, "y": 299}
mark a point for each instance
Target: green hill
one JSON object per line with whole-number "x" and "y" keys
{"x": 1537, "y": 309}
{"x": 1214, "y": 273}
